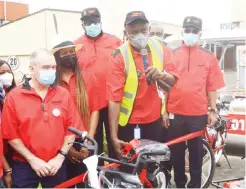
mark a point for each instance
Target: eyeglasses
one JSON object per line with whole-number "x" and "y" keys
{"x": 89, "y": 21}
{"x": 191, "y": 30}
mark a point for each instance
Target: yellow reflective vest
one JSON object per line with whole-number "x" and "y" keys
{"x": 131, "y": 85}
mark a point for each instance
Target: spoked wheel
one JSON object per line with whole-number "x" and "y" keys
{"x": 160, "y": 180}
{"x": 218, "y": 142}
{"x": 208, "y": 165}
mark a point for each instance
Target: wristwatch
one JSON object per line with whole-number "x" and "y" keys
{"x": 8, "y": 172}
{"x": 212, "y": 110}
{"x": 62, "y": 153}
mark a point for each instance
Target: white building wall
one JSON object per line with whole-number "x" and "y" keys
{"x": 21, "y": 37}
{"x": 238, "y": 12}
{"x": 69, "y": 27}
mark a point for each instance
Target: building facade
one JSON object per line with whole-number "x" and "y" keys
{"x": 10, "y": 11}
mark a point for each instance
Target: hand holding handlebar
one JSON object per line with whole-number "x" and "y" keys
{"x": 84, "y": 138}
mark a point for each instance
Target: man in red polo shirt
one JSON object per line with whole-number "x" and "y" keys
{"x": 98, "y": 46}
{"x": 1, "y": 157}
{"x": 145, "y": 120}
{"x": 35, "y": 119}
{"x": 200, "y": 77}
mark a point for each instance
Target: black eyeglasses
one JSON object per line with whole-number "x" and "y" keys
{"x": 191, "y": 30}
{"x": 88, "y": 22}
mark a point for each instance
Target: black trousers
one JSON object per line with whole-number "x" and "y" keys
{"x": 2, "y": 183}
{"x": 104, "y": 122}
{"x": 152, "y": 131}
{"x": 25, "y": 177}
{"x": 179, "y": 126}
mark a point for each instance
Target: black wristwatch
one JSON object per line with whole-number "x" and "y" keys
{"x": 212, "y": 110}
{"x": 62, "y": 153}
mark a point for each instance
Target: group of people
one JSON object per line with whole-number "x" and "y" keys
{"x": 99, "y": 83}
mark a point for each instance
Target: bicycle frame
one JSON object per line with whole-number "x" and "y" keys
{"x": 143, "y": 173}
{"x": 211, "y": 139}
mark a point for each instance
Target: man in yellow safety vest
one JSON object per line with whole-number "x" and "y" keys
{"x": 136, "y": 103}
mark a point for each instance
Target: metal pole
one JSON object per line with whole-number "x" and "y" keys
{"x": 5, "y": 11}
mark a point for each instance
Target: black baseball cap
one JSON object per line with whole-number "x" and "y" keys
{"x": 135, "y": 15}
{"x": 192, "y": 21}
{"x": 90, "y": 12}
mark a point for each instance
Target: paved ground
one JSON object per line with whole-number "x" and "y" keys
{"x": 224, "y": 172}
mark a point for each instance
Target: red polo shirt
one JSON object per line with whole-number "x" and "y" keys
{"x": 199, "y": 74}
{"x": 92, "y": 88}
{"x": 95, "y": 56}
{"x": 1, "y": 154}
{"x": 40, "y": 124}
{"x": 147, "y": 105}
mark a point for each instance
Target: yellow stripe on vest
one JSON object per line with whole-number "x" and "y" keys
{"x": 131, "y": 85}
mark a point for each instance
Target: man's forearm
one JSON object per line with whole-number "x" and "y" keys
{"x": 6, "y": 166}
{"x": 212, "y": 99}
{"x": 19, "y": 147}
{"x": 93, "y": 123}
{"x": 68, "y": 143}
{"x": 114, "y": 113}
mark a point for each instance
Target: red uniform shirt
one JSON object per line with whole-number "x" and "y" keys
{"x": 40, "y": 124}
{"x": 147, "y": 105}
{"x": 199, "y": 74}
{"x": 95, "y": 56}
{"x": 91, "y": 87}
{"x": 1, "y": 154}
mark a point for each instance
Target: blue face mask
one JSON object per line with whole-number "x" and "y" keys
{"x": 46, "y": 77}
{"x": 190, "y": 39}
{"x": 93, "y": 30}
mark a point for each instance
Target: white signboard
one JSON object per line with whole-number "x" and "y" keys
{"x": 230, "y": 26}
{"x": 13, "y": 62}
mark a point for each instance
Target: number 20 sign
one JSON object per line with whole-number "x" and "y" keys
{"x": 13, "y": 62}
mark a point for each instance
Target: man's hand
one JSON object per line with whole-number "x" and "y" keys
{"x": 84, "y": 153}
{"x": 155, "y": 73}
{"x": 41, "y": 168}
{"x": 118, "y": 145}
{"x": 212, "y": 119}
{"x": 166, "y": 121}
{"x": 55, "y": 164}
{"x": 8, "y": 180}
{"x": 73, "y": 155}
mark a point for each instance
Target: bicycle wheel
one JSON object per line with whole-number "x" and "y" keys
{"x": 218, "y": 142}
{"x": 208, "y": 165}
{"x": 160, "y": 180}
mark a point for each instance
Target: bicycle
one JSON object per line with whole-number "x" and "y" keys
{"x": 214, "y": 137}
{"x": 141, "y": 165}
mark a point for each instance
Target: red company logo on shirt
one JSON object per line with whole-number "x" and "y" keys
{"x": 56, "y": 102}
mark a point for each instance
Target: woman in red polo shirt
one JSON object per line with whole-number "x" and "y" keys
{"x": 82, "y": 86}
{"x": 7, "y": 83}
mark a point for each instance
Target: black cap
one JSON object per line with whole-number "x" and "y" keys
{"x": 192, "y": 21}
{"x": 90, "y": 12}
{"x": 135, "y": 15}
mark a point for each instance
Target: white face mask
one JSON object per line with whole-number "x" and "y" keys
{"x": 190, "y": 39}
{"x": 140, "y": 41}
{"x": 6, "y": 79}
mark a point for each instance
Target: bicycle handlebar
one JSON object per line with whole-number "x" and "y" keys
{"x": 83, "y": 136}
